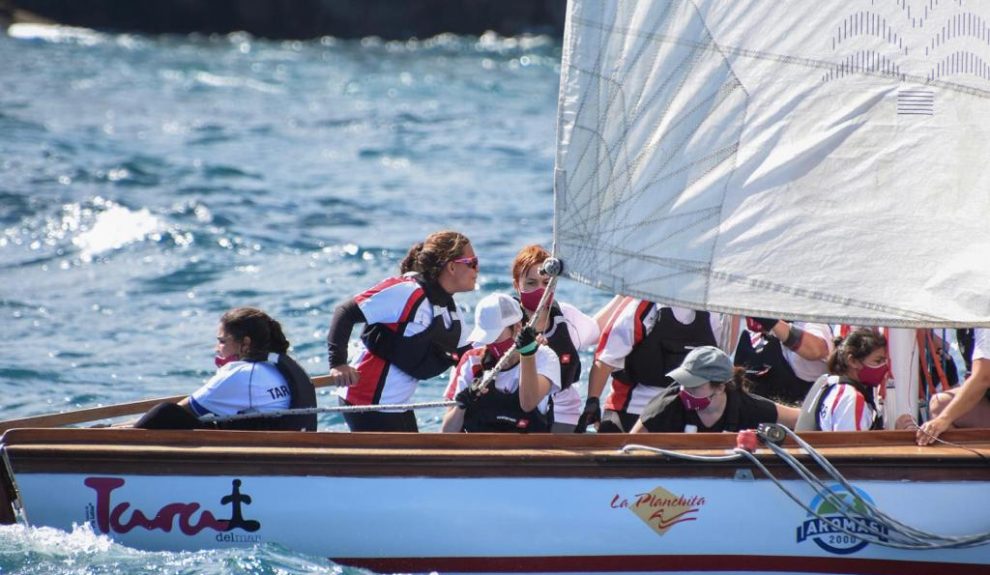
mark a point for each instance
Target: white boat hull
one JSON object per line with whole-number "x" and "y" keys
{"x": 500, "y": 518}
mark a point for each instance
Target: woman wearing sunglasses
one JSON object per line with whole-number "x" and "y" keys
{"x": 843, "y": 399}
{"x": 412, "y": 331}
{"x": 709, "y": 395}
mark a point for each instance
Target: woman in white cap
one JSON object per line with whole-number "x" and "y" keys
{"x": 517, "y": 400}
{"x": 710, "y": 395}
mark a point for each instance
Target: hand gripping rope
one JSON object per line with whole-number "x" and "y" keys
{"x": 552, "y": 267}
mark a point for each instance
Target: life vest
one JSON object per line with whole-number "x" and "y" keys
{"x": 302, "y": 395}
{"x": 499, "y": 412}
{"x": 664, "y": 348}
{"x": 810, "y": 417}
{"x": 768, "y": 369}
{"x": 428, "y": 353}
{"x": 677, "y": 416}
{"x": 559, "y": 340}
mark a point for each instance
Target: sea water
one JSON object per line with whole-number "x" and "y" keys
{"x": 148, "y": 184}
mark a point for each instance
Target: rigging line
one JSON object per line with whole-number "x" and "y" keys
{"x": 835, "y": 499}
{"x": 687, "y": 118}
{"x": 616, "y": 95}
{"x": 631, "y": 447}
{"x": 965, "y": 541}
{"x": 833, "y": 523}
{"x": 789, "y": 60}
{"x": 333, "y": 409}
{"x": 915, "y": 539}
{"x": 716, "y": 158}
{"x": 951, "y": 444}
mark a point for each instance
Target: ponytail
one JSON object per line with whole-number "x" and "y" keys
{"x": 265, "y": 333}
{"x": 428, "y": 257}
{"x": 860, "y": 343}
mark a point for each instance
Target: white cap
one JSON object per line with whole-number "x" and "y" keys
{"x": 494, "y": 313}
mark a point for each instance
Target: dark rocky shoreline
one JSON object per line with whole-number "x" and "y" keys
{"x": 298, "y": 19}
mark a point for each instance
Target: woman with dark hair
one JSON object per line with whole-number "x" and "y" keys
{"x": 709, "y": 395}
{"x": 843, "y": 399}
{"x": 254, "y": 375}
{"x": 412, "y": 331}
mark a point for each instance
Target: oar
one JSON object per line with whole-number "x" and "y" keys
{"x": 109, "y": 411}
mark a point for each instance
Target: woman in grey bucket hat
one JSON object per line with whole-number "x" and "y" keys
{"x": 710, "y": 396}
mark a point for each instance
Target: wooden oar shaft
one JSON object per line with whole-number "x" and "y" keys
{"x": 108, "y": 411}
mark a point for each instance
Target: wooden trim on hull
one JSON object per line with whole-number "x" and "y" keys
{"x": 660, "y": 564}
{"x": 876, "y": 455}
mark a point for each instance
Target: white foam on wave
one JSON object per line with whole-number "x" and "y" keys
{"x": 114, "y": 228}
{"x": 217, "y": 81}
{"x": 55, "y": 33}
{"x": 49, "y": 541}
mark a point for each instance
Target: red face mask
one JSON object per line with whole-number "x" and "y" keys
{"x": 872, "y": 375}
{"x": 501, "y": 348}
{"x": 222, "y": 361}
{"x": 693, "y": 402}
{"x": 531, "y": 299}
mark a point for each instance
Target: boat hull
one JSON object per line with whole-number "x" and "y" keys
{"x": 426, "y": 503}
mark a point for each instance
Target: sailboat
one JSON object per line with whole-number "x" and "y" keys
{"x": 807, "y": 160}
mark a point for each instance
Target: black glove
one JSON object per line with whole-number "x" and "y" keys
{"x": 591, "y": 415}
{"x": 468, "y": 396}
{"x": 763, "y": 324}
{"x": 526, "y": 343}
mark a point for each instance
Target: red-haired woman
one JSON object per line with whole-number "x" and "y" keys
{"x": 563, "y": 328}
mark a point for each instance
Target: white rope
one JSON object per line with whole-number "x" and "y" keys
{"x": 335, "y": 409}
{"x": 890, "y": 533}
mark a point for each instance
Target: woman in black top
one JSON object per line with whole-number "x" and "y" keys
{"x": 709, "y": 396}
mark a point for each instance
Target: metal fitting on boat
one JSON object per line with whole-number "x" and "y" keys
{"x": 553, "y": 267}
{"x": 771, "y": 433}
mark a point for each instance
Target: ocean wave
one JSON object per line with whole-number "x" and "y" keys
{"x": 56, "y": 33}
{"x": 86, "y": 230}
{"x": 38, "y": 550}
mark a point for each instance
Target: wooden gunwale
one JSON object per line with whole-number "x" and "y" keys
{"x": 877, "y": 455}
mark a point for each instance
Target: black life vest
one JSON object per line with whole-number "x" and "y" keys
{"x": 559, "y": 340}
{"x": 664, "y": 348}
{"x": 769, "y": 371}
{"x": 499, "y": 411}
{"x": 810, "y": 417}
{"x": 302, "y": 395}
{"x": 428, "y": 353}
{"x": 677, "y": 416}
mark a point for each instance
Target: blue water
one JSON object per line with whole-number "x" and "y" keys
{"x": 149, "y": 184}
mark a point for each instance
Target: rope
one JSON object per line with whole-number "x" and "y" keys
{"x": 334, "y": 409}
{"x": 874, "y": 526}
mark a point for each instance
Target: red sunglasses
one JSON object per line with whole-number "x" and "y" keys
{"x": 469, "y": 262}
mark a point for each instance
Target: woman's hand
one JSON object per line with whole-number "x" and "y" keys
{"x": 344, "y": 375}
{"x": 930, "y": 430}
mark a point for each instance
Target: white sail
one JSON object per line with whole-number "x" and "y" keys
{"x": 798, "y": 159}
